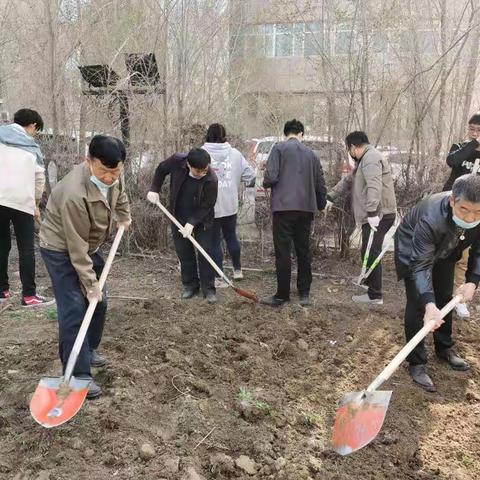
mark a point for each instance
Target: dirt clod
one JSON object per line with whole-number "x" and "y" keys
{"x": 246, "y": 464}
{"x": 147, "y": 451}
{"x": 221, "y": 463}
{"x": 171, "y": 464}
{"x": 302, "y": 344}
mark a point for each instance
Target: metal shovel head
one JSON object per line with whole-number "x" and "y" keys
{"x": 359, "y": 420}
{"x": 355, "y": 281}
{"x": 54, "y": 402}
{"x": 249, "y": 295}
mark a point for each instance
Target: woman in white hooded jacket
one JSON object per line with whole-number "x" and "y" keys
{"x": 231, "y": 169}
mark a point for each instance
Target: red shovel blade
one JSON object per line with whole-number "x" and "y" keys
{"x": 54, "y": 403}
{"x": 359, "y": 420}
{"x": 244, "y": 293}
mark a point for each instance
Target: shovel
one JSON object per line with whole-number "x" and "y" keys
{"x": 57, "y": 399}
{"x": 361, "y": 414}
{"x": 385, "y": 249}
{"x": 243, "y": 293}
{"x": 359, "y": 279}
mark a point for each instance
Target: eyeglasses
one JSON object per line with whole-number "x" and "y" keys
{"x": 473, "y": 129}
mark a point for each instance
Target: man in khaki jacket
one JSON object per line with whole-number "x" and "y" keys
{"x": 373, "y": 202}
{"x": 79, "y": 217}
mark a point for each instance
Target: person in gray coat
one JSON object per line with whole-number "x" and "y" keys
{"x": 373, "y": 202}
{"x": 296, "y": 178}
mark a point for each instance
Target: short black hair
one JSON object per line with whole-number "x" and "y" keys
{"x": 467, "y": 187}
{"x": 198, "y": 158}
{"x": 109, "y": 150}
{"x": 216, "y": 133}
{"x": 474, "y": 119}
{"x": 293, "y": 126}
{"x": 26, "y": 117}
{"x": 356, "y": 138}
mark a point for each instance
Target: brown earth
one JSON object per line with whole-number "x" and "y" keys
{"x": 254, "y": 381}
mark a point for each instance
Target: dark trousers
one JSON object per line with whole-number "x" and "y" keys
{"x": 72, "y": 306}
{"x": 442, "y": 277}
{"x": 226, "y": 227}
{"x": 374, "y": 281}
{"x": 24, "y": 227}
{"x": 194, "y": 276}
{"x": 292, "y": 227}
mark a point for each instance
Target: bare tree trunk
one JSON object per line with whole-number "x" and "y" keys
{"x": 470, "y": 80}
{"x": 82, "y": 121}
{"x": 52, "y": 38}
{"x": 166, "y": 25}
{"x": 443, "y": 81}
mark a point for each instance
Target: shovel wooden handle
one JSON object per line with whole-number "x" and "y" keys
{"x": 197, "y": 246}
{"x": 405, "y": 351}
{"x": 72, "y": 359}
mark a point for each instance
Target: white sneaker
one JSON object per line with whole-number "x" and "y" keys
{"x": 462, "y": 310}
{"x": 237, "y": 275}
{"x": 220, "y": 283}
{"x": 367, "y": 300}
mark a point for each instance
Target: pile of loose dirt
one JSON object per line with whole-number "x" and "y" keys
{"x": 236, "y": 390}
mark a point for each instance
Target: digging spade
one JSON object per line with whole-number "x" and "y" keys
{"x": 359, "y": 279}
{"x": 361, "y": 414}
{"x": 240, "y": 291}
{"x": 363, "y": 276}
{"x": 57, "y": 399}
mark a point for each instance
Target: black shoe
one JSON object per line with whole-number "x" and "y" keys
{"x": 273, "y": 301}
{"x": 94, "y": 390}
{"x": 304, "y": 300}
{"x": 189, "y": 293}
{"x": 420, "y": 377}
{"x": 211, "y": 297}
{"x": 456, "y": 362}
{"x": 97, "y": 360}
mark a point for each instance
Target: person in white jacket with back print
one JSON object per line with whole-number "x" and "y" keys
{"x": 231, "y": 169}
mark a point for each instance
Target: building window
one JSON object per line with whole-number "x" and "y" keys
{"x": 278, "y": 40}
{"x": 283, "y": 40}
{"x": 314, "y": 39}
{"x": 345, "y": 40}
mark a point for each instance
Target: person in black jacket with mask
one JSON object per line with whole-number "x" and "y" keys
{"x": 428, "y": 243}
{"x": 193, "y": 193}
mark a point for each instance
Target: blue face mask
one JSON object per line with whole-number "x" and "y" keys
{"x": 462, "y": 224}
{"x": 100, "y": 184}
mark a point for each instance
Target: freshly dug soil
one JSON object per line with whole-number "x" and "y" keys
{"x": 236, "y": 390}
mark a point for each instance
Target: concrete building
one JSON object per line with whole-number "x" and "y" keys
{"x": 316, "y": 60}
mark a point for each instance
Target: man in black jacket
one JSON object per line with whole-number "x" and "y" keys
{"x": 296, "y": 178}
{"x": 193, "y": 193}
{"x": 464, "y": 158}
{"x": 428, "y": 243}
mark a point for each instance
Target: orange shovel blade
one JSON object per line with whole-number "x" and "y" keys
{"x": 359, "y": 420}
{"x": 54, "y": 403}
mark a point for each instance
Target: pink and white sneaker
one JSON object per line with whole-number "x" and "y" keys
{"x": 36, "y": 301}
{"x": 5, "y": 295}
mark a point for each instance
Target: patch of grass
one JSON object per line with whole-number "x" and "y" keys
{"x": 311, "y": 419}
{"x": 244, "y": 395}
{"x": 51, "y": 314}
{"x": 17, "y": 315}
{"x": 467, "y": 460}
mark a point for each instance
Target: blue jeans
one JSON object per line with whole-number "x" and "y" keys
{"x": 228, "y": 227}
{"x": 72, "y": 306}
